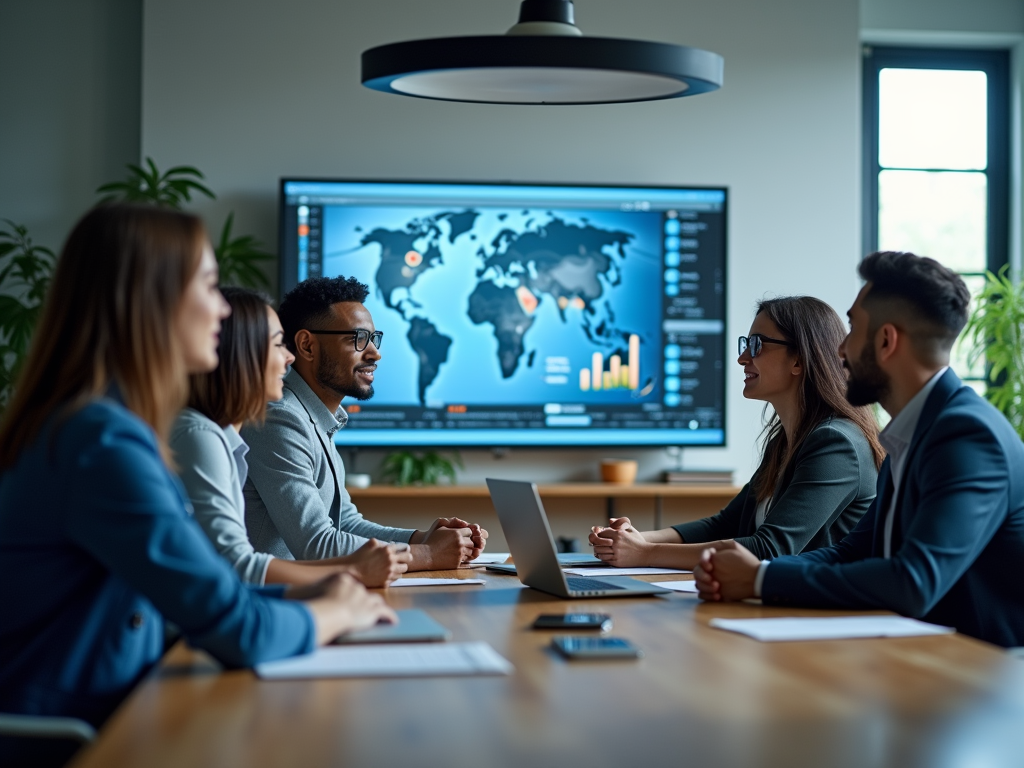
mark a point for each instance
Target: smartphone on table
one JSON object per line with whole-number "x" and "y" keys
{"x": 600, "y": 621}
{"x": 596, "y": 648}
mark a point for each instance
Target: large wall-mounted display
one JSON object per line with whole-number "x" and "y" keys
{"x": 526, "y": 315}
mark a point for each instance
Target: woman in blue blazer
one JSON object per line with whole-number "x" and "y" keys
{"x": 96, "y": 545}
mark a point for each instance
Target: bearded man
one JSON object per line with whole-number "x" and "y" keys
{"x": 296, "y": 504}
{"x": 944, "y": 538}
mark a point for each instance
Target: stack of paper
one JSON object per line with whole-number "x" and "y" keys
{"x": 622, "y": 571}
{"x": 831, "y": 628}
{"x": 491, "y": 558}
{"x": 677, "y": 586}
{"x": 390, "y": 661}
{"x": 407, "y": 582}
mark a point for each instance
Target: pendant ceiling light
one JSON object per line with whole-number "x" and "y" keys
{"x": 544, "y": 59}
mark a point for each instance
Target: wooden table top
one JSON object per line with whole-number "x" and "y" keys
{"x": 555, "y": 490}
{"x": 700, "y": 696}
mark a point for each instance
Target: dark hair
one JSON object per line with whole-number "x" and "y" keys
{"x": 816, "y": 331}
{"x": 310, "y": 302}
{"x": 235, "y": 391}
{"x": 928, "y": 299}
{"x": 108, "y": 319}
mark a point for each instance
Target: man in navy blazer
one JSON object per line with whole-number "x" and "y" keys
{"x": 944, "y": 539}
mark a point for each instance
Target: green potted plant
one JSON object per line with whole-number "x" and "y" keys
{"x": 427, "y": 468}
{"x": 995, "y": 332}
{"x": 26, "y": 268}
{"x": 25, "y": 271}
{"x": 238, "y": 257}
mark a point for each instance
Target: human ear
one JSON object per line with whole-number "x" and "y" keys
{"x": 886, "y": 340}
{"x": 305, "y": 345}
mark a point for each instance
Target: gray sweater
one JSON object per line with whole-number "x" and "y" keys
{"x": 296, "y": 505}
{"x": 829, "y": 487}
{"x": 212, "y": 468}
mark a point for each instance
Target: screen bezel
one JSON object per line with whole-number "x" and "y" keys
{"x": 288, "y": 270}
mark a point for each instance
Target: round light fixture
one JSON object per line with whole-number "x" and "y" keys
{"x": 544, "y": 59}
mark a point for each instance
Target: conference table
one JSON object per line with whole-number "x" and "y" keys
{"x": 700, "y": 696}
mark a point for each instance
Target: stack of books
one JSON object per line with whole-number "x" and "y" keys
{"x": 698, "y": 476}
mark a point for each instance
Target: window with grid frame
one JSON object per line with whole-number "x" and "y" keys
{"x": 936, "y": 162}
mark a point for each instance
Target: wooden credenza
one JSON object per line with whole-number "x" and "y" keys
{"x": 572, "y": 507}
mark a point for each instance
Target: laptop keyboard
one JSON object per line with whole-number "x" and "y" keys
{"x": 586, "y": 584}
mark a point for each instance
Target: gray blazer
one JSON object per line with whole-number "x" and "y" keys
{"x": 212, "y": 468}
{"x": 828, "y": 488}
{"x": 296, "y": 505}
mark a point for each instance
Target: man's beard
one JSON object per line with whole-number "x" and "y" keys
{"x": 329, "y": 374}
{"x": 867, "y": 382}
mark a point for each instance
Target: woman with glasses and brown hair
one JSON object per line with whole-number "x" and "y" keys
{"x": 96, "y": 544}
{"x": 211, "y": 454}
{"x": 820, "y": 455}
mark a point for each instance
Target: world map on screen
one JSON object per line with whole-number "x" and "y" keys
{"x": 536, "y": 281}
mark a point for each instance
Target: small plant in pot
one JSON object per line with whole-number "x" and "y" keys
{"x": 404, "y": 468}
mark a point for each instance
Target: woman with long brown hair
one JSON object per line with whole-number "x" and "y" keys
{"x": 211, "y": 453}
{"x": 96, "y": 545}
{"x": 820, "y": 454}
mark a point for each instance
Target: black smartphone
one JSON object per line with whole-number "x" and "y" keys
{"x": 601, "y": 621}
{"x": 596, "y": 648}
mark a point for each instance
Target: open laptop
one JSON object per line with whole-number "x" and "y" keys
{"x": 528, "y": 534}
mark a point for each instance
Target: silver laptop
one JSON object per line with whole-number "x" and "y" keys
{"x": 529, "y": 540}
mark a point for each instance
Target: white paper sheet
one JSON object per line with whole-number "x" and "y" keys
{"x": 677, "y": 586}
{"x": 404, "y": 582}
{"x": 392, "y": 660}
{"x": 829, "y": 628}
{"x": 622, "y": 571}
{"x": 491, "y": 558}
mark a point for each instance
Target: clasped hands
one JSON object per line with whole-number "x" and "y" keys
{"x": 450, "y": 543}
{"x": 619, "y": 544}
{"x": 725, "y": 572}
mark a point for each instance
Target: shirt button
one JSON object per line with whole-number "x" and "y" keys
{"x": 136, "y": 620}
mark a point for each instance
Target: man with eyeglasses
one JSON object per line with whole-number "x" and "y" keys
{"x": 296, "y": 504}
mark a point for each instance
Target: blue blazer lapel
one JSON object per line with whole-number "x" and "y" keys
{"x": 944, "y": 389}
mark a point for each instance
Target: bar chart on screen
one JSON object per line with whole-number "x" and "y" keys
{"x": 618, "y": 375}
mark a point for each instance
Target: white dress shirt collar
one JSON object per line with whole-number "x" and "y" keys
{"x": 899, "y": 432}
{"x": 896, "y": 438}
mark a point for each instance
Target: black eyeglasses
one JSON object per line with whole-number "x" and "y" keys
{"x": 362, "y": 337}
{"x": 754, "y": 341}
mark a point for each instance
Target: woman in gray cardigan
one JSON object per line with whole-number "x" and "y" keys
{"x": 820, "y": 460}
{"x": 211, "y": 454}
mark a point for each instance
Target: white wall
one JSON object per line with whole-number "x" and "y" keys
{"x": 987, "y": 16}
{"x": 70, "y": 74}
{"x": 251, "y": 91}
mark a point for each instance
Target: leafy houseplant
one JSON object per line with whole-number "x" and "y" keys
{"x": 148, "y": 185}
{"x": 25, "y": 270}
{"x": 996, "y": 333}
{"x": 409, "y": 468}
{"x": 238, "y": 257}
